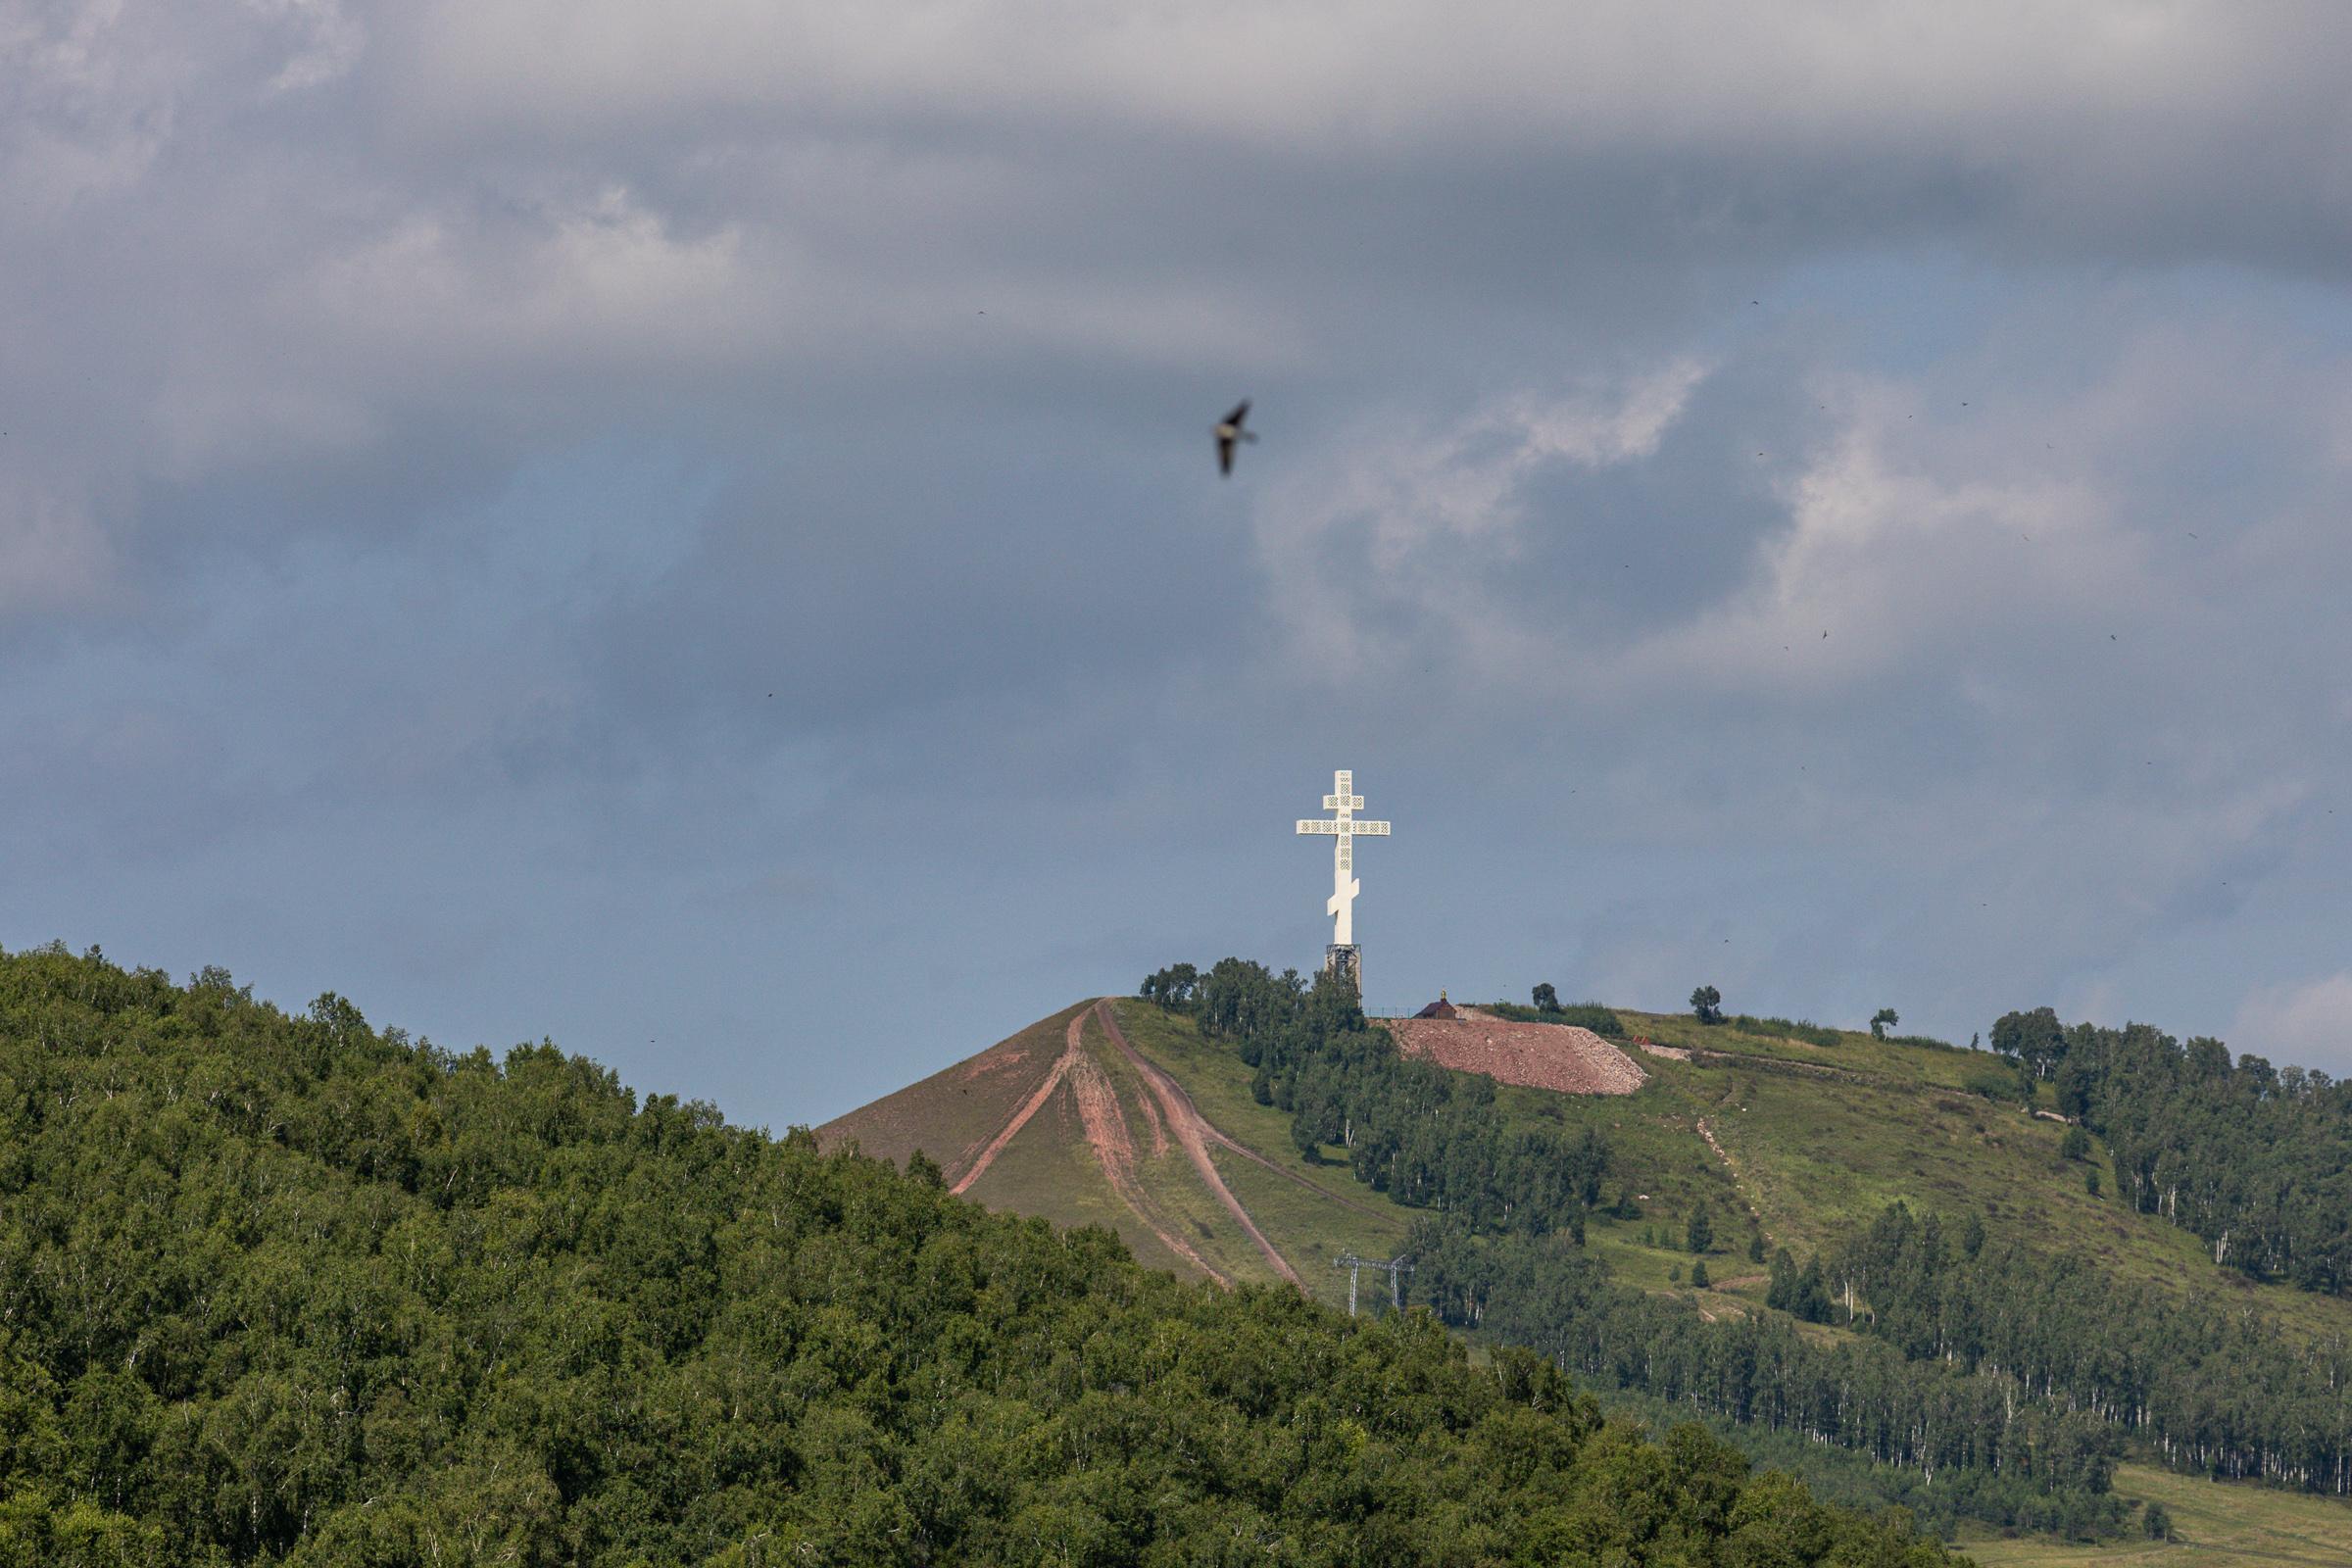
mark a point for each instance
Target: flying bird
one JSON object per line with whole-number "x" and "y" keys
{"x": 1231, "y": 434}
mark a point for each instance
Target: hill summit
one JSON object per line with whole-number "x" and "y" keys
{"x": 1995, "y": 1288}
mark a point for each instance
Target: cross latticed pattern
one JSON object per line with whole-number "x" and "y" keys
{"x": 1344, "y": 829}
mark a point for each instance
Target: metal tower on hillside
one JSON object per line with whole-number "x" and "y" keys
{"x": 1397, "y": 1267}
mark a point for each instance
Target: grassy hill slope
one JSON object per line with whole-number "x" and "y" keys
{"x": 1805, "y": 1140}
{"x": 1811, "y": 1142}
{"x": 1797, "y": 1139}
{"x": 1094, "y": 1144}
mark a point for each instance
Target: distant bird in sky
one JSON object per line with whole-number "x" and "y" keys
{"x": 1231, "y": 434}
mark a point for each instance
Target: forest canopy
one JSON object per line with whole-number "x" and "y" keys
{"x": 280, "y": 1289}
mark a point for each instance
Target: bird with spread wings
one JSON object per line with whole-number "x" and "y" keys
{"x": 1230, "y": 434}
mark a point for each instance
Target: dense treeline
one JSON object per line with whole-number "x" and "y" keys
{"x": 1426, "y": 1137}
{"x": 2213, "y": 1389}
{"x": 1939, "y": 1501}
{"x": 2256, "y": 1160}
{"x": 293, "y": 1290}
{"x": 2003, "y": 1381}
{"x": 1965, "y": 1446}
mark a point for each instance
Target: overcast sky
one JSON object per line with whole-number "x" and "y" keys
{"x": 691, "y": 528}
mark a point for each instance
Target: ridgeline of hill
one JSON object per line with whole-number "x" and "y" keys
{"x": 293, "y": 1290}
{"x": 1892, "y": 1266}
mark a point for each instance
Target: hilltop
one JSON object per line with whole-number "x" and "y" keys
{"x": 1115, "y": 1114}
{"x": 1803, "y": 1138}
{"x": 1813, "y": 1157}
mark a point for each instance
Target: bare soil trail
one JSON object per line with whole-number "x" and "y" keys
{"x": 1739, "y": 1182}
{"x": 1780, "y": 1065}
{"x": 1107, "y": 1135}
{"x": 1193, "y": 1133}
{"x": 1225, "y": 1141}
{"x": 1020, "y": 1118}
{"x": 1708, "y": 1133}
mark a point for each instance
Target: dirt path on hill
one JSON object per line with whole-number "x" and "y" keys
{"x": 1225, "y": 1141}
{"x": 1106, "y": 1133}
{"x": 1105, "y": 1127}
{"x": 1020, "y": 1118}
{"x": 1729, "y": 1163}
{"x": 1193, "y": 1133}
{"x": 1708, "y": 1133}
{"x": 1785, "y": 1064}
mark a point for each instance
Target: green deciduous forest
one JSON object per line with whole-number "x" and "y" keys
{"x": 2255, "y": 1160}
{"x": 1426, "y": 1137}
{"x": 290, "y": 1289}
{"x": 1969, "y": 1379}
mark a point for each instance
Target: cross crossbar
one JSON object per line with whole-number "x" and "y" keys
{"x": 1344, "y": 830}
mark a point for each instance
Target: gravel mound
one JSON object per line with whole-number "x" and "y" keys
{"x": 1541, "y": 1055}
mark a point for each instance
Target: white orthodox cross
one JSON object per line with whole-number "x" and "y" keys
{"x": 1344, "y": 826}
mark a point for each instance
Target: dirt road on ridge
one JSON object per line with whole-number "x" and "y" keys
{"x": 1172, "y": 1117}
{"x": 1193, "y": 1133}
{"x": 1223, "y": 1139}
{"x": 1020, "y": 1118}
{"x": 1107, "y": 1135}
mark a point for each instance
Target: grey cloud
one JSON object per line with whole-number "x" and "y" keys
{"x": 433, "y": 430}
{"x": 339, "y": 231}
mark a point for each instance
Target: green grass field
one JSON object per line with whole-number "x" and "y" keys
{"x": 2214, "y": 1526}
{"x": 1817, "y": 1155}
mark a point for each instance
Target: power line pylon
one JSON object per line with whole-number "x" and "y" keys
{"x": 1397, "y": 1267}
